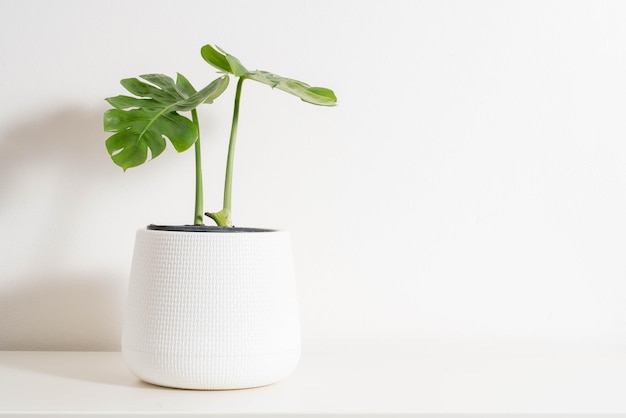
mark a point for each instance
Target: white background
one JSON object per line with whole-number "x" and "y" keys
{"x": 470, "y": 185}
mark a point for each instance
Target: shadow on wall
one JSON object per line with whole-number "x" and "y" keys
{"x": 47, "y": 302}
{"x": 61, "y": 313}
{"x": 69, "y": 140}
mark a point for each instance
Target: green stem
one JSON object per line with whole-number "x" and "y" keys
{"x": 228, "y": 181}
{"x": 222, "y": 218}
{"x": 198, "y": 214}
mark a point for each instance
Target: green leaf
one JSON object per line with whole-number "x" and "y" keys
{"x": 265, "y": 77}
{"x": 215, "y": 89}
{"x": 236, "y": 66}
{"x": 141, "y": 124}
{"x": 141, "y": 89}
{"x": 125, "y": 102}
{"x": 206, "y": 95}
{"x": 138, "y": 130}
{"x": 216, "y": 58}
{"x": 315, "y": 95}
{"x": 125, "y": 151}
{"x": 184, "y": 85}
{"x": 223, "y": 61}
{"x": 164, "y": 82}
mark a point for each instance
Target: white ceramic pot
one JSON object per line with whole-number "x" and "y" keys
{"x": 211, "y": 310}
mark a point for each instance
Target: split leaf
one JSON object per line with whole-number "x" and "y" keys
{"x": 141, "y": 124}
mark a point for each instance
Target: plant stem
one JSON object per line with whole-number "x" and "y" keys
{"x": 222, "y": 218}
{"x": 198, "y": 214}
{"x": 228, "y": 181}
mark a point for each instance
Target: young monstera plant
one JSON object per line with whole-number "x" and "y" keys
{"x": 141, "y": 124}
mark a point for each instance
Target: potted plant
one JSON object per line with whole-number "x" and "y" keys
{"x": 208, "y": 307}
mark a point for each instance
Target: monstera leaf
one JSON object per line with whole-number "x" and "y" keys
{"x": 225, "y": 62}
{"x": 141, "y": 124}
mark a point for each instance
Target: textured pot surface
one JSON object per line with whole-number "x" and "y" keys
{"x": 211, "y": 310}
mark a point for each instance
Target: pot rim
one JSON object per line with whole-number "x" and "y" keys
{"x": 206, "y": 228}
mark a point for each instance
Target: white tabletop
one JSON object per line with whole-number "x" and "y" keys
{"x": 415, "y": 380}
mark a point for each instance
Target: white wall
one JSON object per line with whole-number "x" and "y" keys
{"x": 471, "y": 184}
